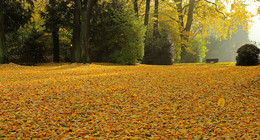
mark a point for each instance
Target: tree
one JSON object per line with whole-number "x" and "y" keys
{"x": 146, "y": 21}
{"x": 116, "y": 34}
{"x": 13, "y": 15}
{"x": 81, "y": 30}
{"x": 57, "y": 15}
{"x": 198, "y": 18}
{"x": 85, "y": 27}
{"x": 2, "y": 36}
{"x": 75, "y": 50}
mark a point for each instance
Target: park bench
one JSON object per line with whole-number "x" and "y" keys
{"x": 212, "y": 60}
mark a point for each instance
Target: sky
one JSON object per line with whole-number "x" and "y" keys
{"x": 254, "y": 32}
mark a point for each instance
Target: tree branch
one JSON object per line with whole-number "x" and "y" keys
{"x": 216, "y": 7}
{"x": 171, "y": 17}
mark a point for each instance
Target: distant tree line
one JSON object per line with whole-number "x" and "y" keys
{"x": 118, "y": 31}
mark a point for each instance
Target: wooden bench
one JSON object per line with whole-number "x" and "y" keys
{"x": 212, "y": 60}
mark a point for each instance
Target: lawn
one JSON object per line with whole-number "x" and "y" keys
{"x": 106, "y": 101}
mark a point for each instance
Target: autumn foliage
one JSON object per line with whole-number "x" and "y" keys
{"x": 129, "y": 102}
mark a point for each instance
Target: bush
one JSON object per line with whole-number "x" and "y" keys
{"x": 33, "y": 49}
{"x": 247, "y": 55}
{"x": 164, "y": 50}
{"x": 117, "y": 35}
{"x": 159, "y": 51}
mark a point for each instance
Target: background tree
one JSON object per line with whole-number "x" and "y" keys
{"x": 198, "y": 19}
{"x": 57, "y": 15}
{"x": 116, "y": 34}
{"x": 146, "y": 43}
{"x": 13, "y": 15}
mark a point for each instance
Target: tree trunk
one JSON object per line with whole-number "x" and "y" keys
{"x": 136, "y": 8}
{"x": 156, "y": 15}
{"x": 3, "y": 57}
{"x": 181, "y": 26}
{"x": 85, "y": 28}
{"x": 75, "y": 50}
{"x": 147, "y": 10}
{"x": 190, "y": 16}
{"x": 185, "y": 38}
{"x": 146, "y": 20}
{"x": 56, "y": 48}
{"x": 55, "y": 37}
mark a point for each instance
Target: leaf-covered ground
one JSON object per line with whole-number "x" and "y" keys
{"x": 124, "y": 102}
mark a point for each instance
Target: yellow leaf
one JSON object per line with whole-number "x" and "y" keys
{"x": 221, "y": 102}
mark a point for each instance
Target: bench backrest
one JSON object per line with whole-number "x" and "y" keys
{"x": 213, "y": 60}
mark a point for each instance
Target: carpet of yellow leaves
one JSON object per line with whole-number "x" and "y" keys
{"x": 129, "y": 102}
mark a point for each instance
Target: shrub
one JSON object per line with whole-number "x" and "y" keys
{"x": 247, "y": 55}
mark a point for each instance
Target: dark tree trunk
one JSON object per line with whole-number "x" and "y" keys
{"x": 146, "y": 20}
{"x": 3, "y": 57}
{"x": 87, "y": 15}
{"x": 56, "y": 48}
{"x": 136, "y": 8}
{"x": 75, "y": 50}
{"x": 147, "y": 10}
{"x": 156, "y": 15}
{"x": 55, "y": 36}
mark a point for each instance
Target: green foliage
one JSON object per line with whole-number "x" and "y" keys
{"x": 57, "y": 16}
{"x": 248, "y": 55}
{"x": 196, "y": 51}
{"x": 26, "y": 46}
{"x": 117, "y": 35}
{"x": 16, "y": 14}
{"x": 65, "y": 44}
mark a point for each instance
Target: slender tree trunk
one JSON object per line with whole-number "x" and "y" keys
{"x": 56, "y": 48}
{"x": 3, "y": 57}
{"x": 87, "y": 15}
{"x": 75, "y": 50}
{"x": 136, "y": 8}
{"x": 146, "y": 20}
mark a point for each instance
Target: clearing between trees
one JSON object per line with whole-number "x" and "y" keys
{"x": 128, "y": 102}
